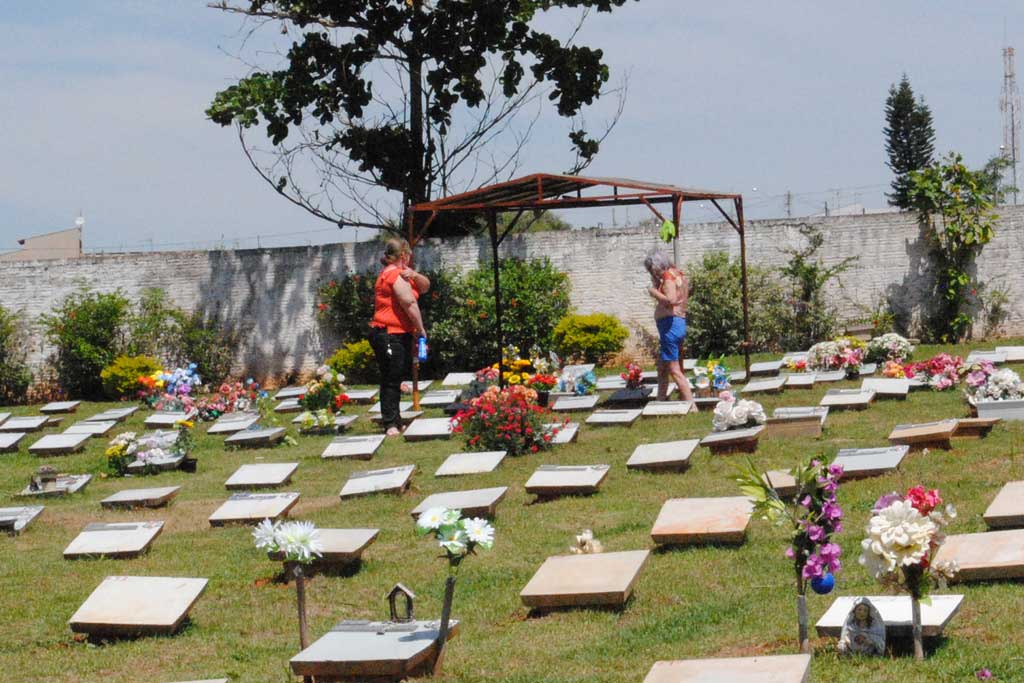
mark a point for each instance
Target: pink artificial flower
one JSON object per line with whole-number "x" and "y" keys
{"x": 922, "y": 500}
{"x": 726, "y": 396}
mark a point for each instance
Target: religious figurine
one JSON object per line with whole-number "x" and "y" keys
{"x": 863, "y": 631}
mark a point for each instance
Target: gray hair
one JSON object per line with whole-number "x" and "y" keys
{"x": 657, "y": 261}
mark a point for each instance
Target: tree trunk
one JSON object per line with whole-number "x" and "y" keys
{"x": 915, "y": 614}
{"x": 446, "y": 613}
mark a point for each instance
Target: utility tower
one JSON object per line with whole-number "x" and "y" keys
{"x": 1009, "y": 104}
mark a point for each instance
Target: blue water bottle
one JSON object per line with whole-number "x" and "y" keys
{"x": 421, "y": 353}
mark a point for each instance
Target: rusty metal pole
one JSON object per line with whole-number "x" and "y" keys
{"x": 415, "y": 357}
{"x": 677, "y": 211}
{"x": 492, "y": 225}
{"x": 743, "y": 276}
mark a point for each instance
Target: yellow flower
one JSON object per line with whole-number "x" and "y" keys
{"x": 514, "y": 379}
{"x": 185, "y": 423}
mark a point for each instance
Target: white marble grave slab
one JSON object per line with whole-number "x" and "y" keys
{"x": 733, "y": 440}
{"x": 671, "y": 455}
{"x": 895, "y": 611}
{"x": 737, "y": 376}
{"x": 765, "y": 386}
{"x": 867, "y": 369}
{"x": 355, "y": 447}
{"x": 421, "y": 386}
{"x": 115, "y": 414}
{"x": 256, "y": 438}
{"x": 988, "y": 556}
{"x": 613, "y": 418}
{"x": 569, "y": 404}
{"x": 995, "y": 357}
{"x": 885, "y": 387}
{"x": 870, "y": 462}
{"x": 478, "y": 462}
{"x": 290, "y": 392}
{"x": 23, "y": 424}
{"x": 427, "y": 428}
{"x": 9, "y": 441}
{"x": 458, "y": 379}
{"x": 341, "y": 422}
{"x": 567, "y": 432}
{"x": 58, "y": 444}
{"x": 473, "y": 503}
{"x": 596, "y": 580}
{"x": 611, "y": 383}
{"x": 289, "y": 405}
{"x": 60, "y": 407}
{"x": 339, "y": 546}
{"x": 91, "y": 428}
{"x": 3, "y": 417}
{"x": 439, "y": 398}
{"x": 566, "y": 480}
{"x": 14, "y": 520}
{"x": 362, "y": 395}
{"x": 766, "y": 368}
{"x": 168, "y": 418}
{"x": 229, "y": 423}
{"x": 65, "y": 484}
{"x": 685, "y": 521}
{"x": 1013, "y": 354}
{"x": 403, "y": 406}
{"x": 264, "y": 475}
{"x": 120, "y": 540}
{"x": 1007, "y": 509}
{"x": 830, "y": 376}
{"x": 141, "y": 498}
{"x": 137, "y": 605}
{"x": 253, "y": 508}
{"x": 763, "y": 669}
{"x": 856, "y": 399}
{"x": 389, "y": 480}
{"x": 577, "y": 370}
{"x": 667, "y": 408}
{"x": 799, "y": 380}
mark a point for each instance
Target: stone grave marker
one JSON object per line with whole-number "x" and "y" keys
{"x": 137, "y": 605}
{"x": 706, "y": 402}
{"x": 773, "y": 385}
{"x": 1013, "y": 354}
{"x": 594, "y": 580}
{"x": 9, "y": 441}
{"x": 611, "y": 383}
{"x": 830, "y": 376}
{"x": 567, "y": 432}
{"x": 341, "y": 422}
{"x": 402, "y": 407}
{"x": 253, "y": 508}
{"x": 867, "y": 369}
{"x": 578, "y": 369}
{"x": 895, "y": 611}
{"x": 229, "y": 423}
{"x": 91, "y": 428}
{"x": 355, "y": 447}
{"x": 994, "y": 357}
{"x": 654, "y": 457}
{"x": 762, "y": 669}
{"x": 793, "y": 356}
{"x": 54, "y": 420}
{"x": 14, "y": 520}
{"x": 256, "y": 438}
{"x": 290, "y": 392}
{"x": 58, "y": 444}
{"x": 926, "y": 434}
{"x": 439, "y": 398}
{"x": 986, "y": 556}
{"x": 372, "y": 650}
{"x": 612, "y": 418}
{"x": 390, "y": 480}
{"x": 478, "y": 462}
{"x": 766, "y": 368}
{"x": 572, "y": 404}
{"x": 473, "y": 503}
{"x": 168, "y": 418}
{"x": 666, "y": 409}
{"x": 362, "y": 395}
{"x": 141, "y": 498}
{"x": 115, "y": 414}
{"x": 55, "y": 407}
{"x": 796, "y": 421}
{"x": 118, "y": 540}
{"x": 783, "y": 482}
{"x": 289, "y": 405}
{"x": 649, "y": 376}
{"x": 850, "y": 399}
{"x": 548, "y": 481}
{"x": 916, "y": 383}
{"x": 23, "y": 424}
{"x": 406, "y": 416}
{"x": 339, "y": 546}
{"x": 162, "y": 463}
{"x": 859, "y": 463}
{"x": 733, "y": 440}
{"x": 458, "y": 379}
{"x": 427, "y": 428}
{"x": 737, "y": 376}
{"x": 421, "y": 386}
{"x": 61, "y": 485}
{"x": 687, "y": 521}
{"x": 887, "y": 387}
{"x": 266, "y": 475}
{"x": 1007, "y": 509}
{"x": 3, "y": 417}
{"x": 974, "y": 427}
{"x": 799, "y": 380}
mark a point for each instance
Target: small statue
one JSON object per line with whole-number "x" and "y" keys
{"x": 586, "y": 544}
{"x": 863, "y": 631}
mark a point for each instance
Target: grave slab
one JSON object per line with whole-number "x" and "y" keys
{"x": 402, "y": 406}
{"x": 406, "y": 416}
{"x": 261, "y": 475}
{"x": 773, "y": 385}
{"x": 799, "y": 380}
{"x": 91, "y": 428}
{"x": 289, "y": 405}
{"x": 118, "y": 540}
{"x": 613, "y": 418}
{"x": 688, "y": 521}
{"x": 23, "y": 424}
{"x": 926, "y": 434}
{"x": 867, "y": 369}
{"x": 3, "y": 417}
{"x": 168, "y": 418}
{"x": 115, "y": 414}
{"x": 137, "y": 605}
{"x": 859, "y": 463}
{"x": 230, "y": 423}
{"x": 654, "y": 457}
{"x": 974, "y": 427}
{"x": 1007, "y": 509}
{"x": 253, "y": 508}
{"x": 1013, "y": 354}
{"x": 765, "y": 368}
{"x": 362, "y": 395}
{"x": 58, "y": 444}
{"x": 473, "y": 503}
{"x": 610, "y": 383}
{"x": 573, "y": 404}
{"x": 439, "y": 398}
{"x": 649, "y": 376}
{"x": 55, "y": 407}
{"x": 705, "y": 402}
{"x": 895, "y": 611}
{"x": 794, "y": 356}
{"x": 578, "y": 369}
{"x": 567, "y": 433}
{"x": 141, "y": 498}
{"x": 355, "y": 447}
{"x": 256, "y": 438}
{"x": 986, "y": 556}
{"x": 789, "y": 423}
{"x": 737, "y": 376}
{"x": 341, "y": 422}
{"x": 421, "y": 386}
{"x": 290, "y": 392}
{"x": 566, "y": 480}
{"x": 848, "y": 399}
{"x": 478, "y": 462}
{"x": 365, "y": 650}
{"x": 764, "y": 669}
{"x": 390, "y": 480}
{"x": 14, "y": 520}
{"x": 830, "y": 376}
{"x": 995, "y": 357}
{"x": 885, "y": 387}
{"x": 339, "y": 546}
{"x": 783, "y": 482}
{"x": 427, "y": 428}
{"x": 917, "y": 383}
{"x": 162, "y": 463}
{"x": 802, "y": 411}
{"x": 666, "y": 409}
{"x": 458, "y": 379}
{"x": 597, "y": 580}
{"x": 733, "y": 440}
{"x": 64, "y": 484}
{"x": 9, "y": 441}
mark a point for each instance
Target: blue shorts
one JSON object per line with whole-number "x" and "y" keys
{"x": 672, "y": 331}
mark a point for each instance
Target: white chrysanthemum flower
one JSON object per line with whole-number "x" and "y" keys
{"x": 433, "y": 518}
{"x": 300, "y": 541}
{"x": 479, "y": 531}
{"x": 898, "y": 535}
{"x": 721, "y": 420}
{"x": 452, "y": 517}
{"x": 265, "y": 536}
{"x": 453, "y": 539}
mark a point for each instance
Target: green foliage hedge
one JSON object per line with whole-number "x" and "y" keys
{"x": 15, "y": 376}
{"x": 357, "y": 362}
{"x": 590, "y": 338}
{"x": 121, "y": 378}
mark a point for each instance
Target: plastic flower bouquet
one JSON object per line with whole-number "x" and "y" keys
{"x": 504, "y": 420}
{"x": 893, "y": 370}
{"x": 941, "y": 372}
{"x": 121, "y": 453}
{"x": 633, "y": 376}
{"x": 842, "y": 353}
{"x": 889, "y": 346}
{"x": 326, "y": 392}
{"x": 541, "y": 382}
{"x": 736, "y": 414}
{"x": 796, "y": 365}
{"x": 290, "y": 541}
{"x": 458, "y": 536}
{"x": 983, "y": 382}
{"x": 317, "y": 421}
{"x": 578, "y": 384}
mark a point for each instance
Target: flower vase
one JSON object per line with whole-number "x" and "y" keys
{"x": 915, "y": 616}
{"x": 442, "y": 633}
{"x": 542, "y": 398}
{"x": 801, "y": 615}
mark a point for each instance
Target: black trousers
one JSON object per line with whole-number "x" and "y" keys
{"x": 394, "y": 359}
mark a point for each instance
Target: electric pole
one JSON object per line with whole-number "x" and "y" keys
{"x": 789, "y": 204}
{"x": 1009, "y": 104}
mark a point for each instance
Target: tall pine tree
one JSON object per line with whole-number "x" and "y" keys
{"x": 909, "y": 139}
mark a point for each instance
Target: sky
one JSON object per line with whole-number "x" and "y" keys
{"x": 104, "y": 99}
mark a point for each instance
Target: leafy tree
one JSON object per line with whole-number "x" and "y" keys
{"x": 992, "y": 179}
{"x": 909, "y": 139}
{"x": 411, "y": 96}
{"x": 15, "y": 375}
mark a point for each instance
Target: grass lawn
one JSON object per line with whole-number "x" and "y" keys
{"x": 689, "y": 602}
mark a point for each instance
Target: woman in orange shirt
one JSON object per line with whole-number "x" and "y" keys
{"x": 396, "y": 324}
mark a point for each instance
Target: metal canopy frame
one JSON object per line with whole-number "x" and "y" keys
{"x": 544, "y": 191}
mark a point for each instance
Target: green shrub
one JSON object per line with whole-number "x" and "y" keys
{"x": 206, "y": 342}
{"x": 121, "y": 378}
{"x": 357, "y": 362}
{"x": 87, "y": 333}
{"x": 154, "y": 328}
{"x": 15, "y": 376}
{"x": 591, "y": 338}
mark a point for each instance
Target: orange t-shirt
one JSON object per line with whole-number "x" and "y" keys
{"x": 387, "y": 311}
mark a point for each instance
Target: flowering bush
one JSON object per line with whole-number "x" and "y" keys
{"x": 731, "y": 414}
{"x": 504, "y": 420}
{"x": 459, "y": 536}
{"x": 985, "y": 383}
{"x": 128, "y": 375}
{"x": 842, "y": 353}
{"x": 889, "y": 346}
{"x": 633, "y": 376}
{"x": 326, "y": 392}
{"x": 296, "y": 541}
{"x": 941, "y": 372}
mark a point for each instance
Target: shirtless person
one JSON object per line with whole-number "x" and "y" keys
{"x": 671, "y": 291}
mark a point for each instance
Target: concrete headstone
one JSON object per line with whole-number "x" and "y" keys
{"x": 885, "y": 387}
{"x": 571, "y": 404}
{"x": 141, "y": 498}
{"x": 168, "y": 418}
{"x": 23, "y": 424}
{"x": 261, "y": 475}
{"x": 671, "y": 455}
{"x": 91, "y": 428}
{"x": 895, "y": 611}
{"x": 762, "y": 669}
{"x": 290, "y": 392}
{"x": 1007, "y": 509}
{"x": 62, "y": 486}
{"x": 772, "y": 385}
{"x": 614, "y": 418}
{"x": 566, "y": 480}
{"x": 858, "y": 463}
{"x": 596, "y": 580}
{"x": 389, "y": 480}
{"x": 439, "y": 398}
{"x": 854, "y": 399}
{"x": 733, "y": 440}
{"x": 766, "y": 368}
{"x": 458, "y": 379}
{"x": 60, "y": 407}
{"x": 14, "y": 520}
{"x": 702, "y": 520}
{"x": 340, "y": 546}
{"x": 137, "y": 605}
{"x": 362, "y": 395}
{"x": 667, "y": 409}
{"x": 253, "y": 508}
{"x": 9, "y": 441}
{"x": 256, "y": 438}
{"x": 115, "y": 414}
{"x": 473, "y": 503}
{"x": 566, "y": 433}
{"x": 926, "y": 434}
{"x": 117, "y": 540}
{"x": 59, "y": 444}
{"x": 470, "y": 463}
{"x": 985, "y": 556}
{"x": 355, "y": 447}
{"x": 229, "y": 423}
{"x": 427, "y": 428}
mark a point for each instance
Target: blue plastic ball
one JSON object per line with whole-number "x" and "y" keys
{"x": 823, "y": 585}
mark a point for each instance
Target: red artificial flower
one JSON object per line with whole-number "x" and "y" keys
{"x": 322, "y": 306}
{"x": 924, "y": 501}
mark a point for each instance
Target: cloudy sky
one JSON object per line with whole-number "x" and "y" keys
{"x": 103, "y": 109}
